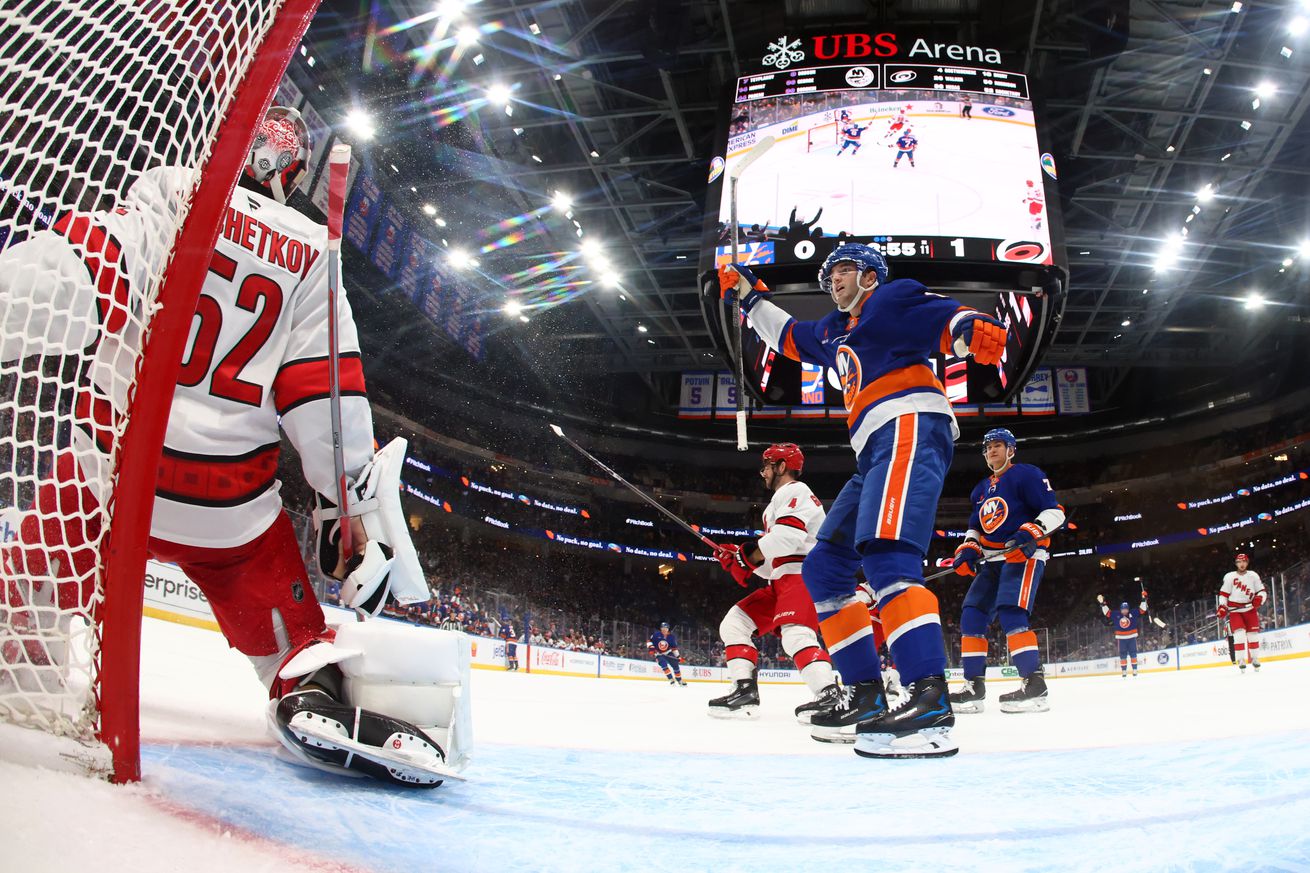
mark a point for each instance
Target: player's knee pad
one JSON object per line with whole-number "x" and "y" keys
{"x": 829, "y": 571}
{"x": 389, "y": 565}
{"x": 886, "y": 562}
{"x": 736, "y": 627}
{"x": 1012, "y": 619}
{"x": 973, "y": 621}
{"x": 1239, "y": 635}
{"x": 417, "y": 675}
{"x": 796, "y": 638}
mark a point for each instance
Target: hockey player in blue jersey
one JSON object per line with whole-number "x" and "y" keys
{"x": 511, "y": 646}
{"x": 902, "y": 431}
{"x": 663, "y": 647}
{"x": 1126, "y": 626}
{"x": 1013, "y": 507}
{"x": 850, "y": 137}
{"x": 905, "y": 145}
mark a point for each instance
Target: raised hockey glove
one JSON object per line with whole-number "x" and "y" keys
{"x": 738, "y": 279}
{"x": 1026, "y": 539}
{"x": 967, "y": 556}
{"x": 1221, "y": 612}
{"x": 1100, "y": 598}
{"x": 981, "y": 336}
{"x": 733, "y": 559}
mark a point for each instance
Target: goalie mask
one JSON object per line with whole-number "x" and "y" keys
{"x": 279, "y": 156}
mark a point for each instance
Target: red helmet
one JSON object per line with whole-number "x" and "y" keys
{"x": 1243, "y": 557}
{"x": 789, "y": 453}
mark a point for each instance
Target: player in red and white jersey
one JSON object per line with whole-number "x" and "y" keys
{"x": 256, "y": 363}
{"x": 791, "y": 523}
{"x": 1035, "y": 200}
{"x": 1240, "y": 597}
{"x": 897, "y": 123}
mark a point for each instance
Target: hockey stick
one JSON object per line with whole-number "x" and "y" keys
{"x": 996, "y": 558}
{"x": 338, "y": 171}
{"x": 559, "y": 432}
{"x": 756, "y": 152}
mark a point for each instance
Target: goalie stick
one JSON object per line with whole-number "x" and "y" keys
{"x": 734, "y": 176}
{"x": 338, "y": 172}
{"x": 559, "y": 432}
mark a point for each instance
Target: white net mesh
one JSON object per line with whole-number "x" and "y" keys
{"x": 108, "y": 111}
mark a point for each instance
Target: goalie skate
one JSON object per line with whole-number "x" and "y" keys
{"x": 399, "y": 753}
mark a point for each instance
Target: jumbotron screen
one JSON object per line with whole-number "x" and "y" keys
{"x": 927, "y": 150}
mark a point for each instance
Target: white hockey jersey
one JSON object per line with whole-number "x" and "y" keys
{"x": 1240, "y": 590}
{"x": 256, "y": 355}
{"x": 791, "y": 528}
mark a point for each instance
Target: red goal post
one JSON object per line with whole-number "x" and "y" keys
{"x": 821, "y": 136}
{"x": 95, "y": 92}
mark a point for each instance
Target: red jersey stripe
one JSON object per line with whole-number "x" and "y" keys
{"x": 306, "y": 380}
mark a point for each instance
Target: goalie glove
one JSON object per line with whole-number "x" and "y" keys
{"x": 979, "y": 335}
{"x": 737, "y": 278}
{"x": 388, "y": 565}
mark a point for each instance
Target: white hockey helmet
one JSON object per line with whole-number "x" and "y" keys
{"x": 279, "y": 155}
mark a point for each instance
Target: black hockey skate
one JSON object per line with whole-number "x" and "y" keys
{"x": 969, "y": 699}
{"x": 682, "y": 682}
{"x": 861, "y": 702}
{"x": 347, "y": 737}
{"x": 1031, "y": 696}
{"x": 826, "y": 699}
{"x": 742, "y": 702}
{"x": 919, "y": 727}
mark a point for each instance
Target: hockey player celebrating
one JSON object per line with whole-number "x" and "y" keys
{"x": 898, "y": 123}
{"x": 850, "y": 133}
{"x": 1241, "y": 595}
{"x": 902, "y": 431}
{"x": 791, "y": 522}
{"x": 1127, "y": 624}
{"x": 1013, "y": 509}
{"x": 905, "y": 146}
{"x": 663, "y": 647}
{"x": 511, "y": 646}
{"x": 368, "y": 699}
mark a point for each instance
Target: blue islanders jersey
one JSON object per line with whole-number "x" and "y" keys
{"x": 1001, "y": 504}
{"x": 880, "y": 356}
{"x": 1125, "y": 626}
{"x": 906, "y": 143}
{"x": 507, "y": 633}
{"x": 852, "y": 132}
{"x": 661, "y": 644}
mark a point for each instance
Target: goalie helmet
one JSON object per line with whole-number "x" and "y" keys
{"x": 789, "y": 453}
{"x": 866, "y": 259}
{"x": 279, "y": 155}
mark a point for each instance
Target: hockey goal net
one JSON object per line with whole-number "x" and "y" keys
{"x": 94, "y": 94}
{"x": 821, "y": 136}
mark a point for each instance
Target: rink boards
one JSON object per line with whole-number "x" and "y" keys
{"x": 170, "y": 596}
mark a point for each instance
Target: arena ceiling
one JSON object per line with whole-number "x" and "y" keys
{"x": 1179, "y": 128}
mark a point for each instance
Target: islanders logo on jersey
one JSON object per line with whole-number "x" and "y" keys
{"x": 1125, "y": 622}
{"x": 848, "y": 373}
{"x": 992, "y": 513}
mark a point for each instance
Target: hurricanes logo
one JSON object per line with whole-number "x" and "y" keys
{"x": 848, "y": 373}
{"x": 992, "y": 513}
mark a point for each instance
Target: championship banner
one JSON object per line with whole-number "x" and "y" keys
{"x": 1038, "y": 396}
{"x": 417, "y": 263}
{"x": 1071, "y": 391}
{"x": 725, "y": 396}
{"x": 362, "y": 211}
{"x": 697, "y": 396}
{"x": 812, "y": 384}
{"x": 393, "y": 233}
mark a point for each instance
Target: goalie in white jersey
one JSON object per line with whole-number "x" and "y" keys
{"x": 1240, "y": 596}
{"x": 791, "y": 523}
{"x": 257, "y": 357}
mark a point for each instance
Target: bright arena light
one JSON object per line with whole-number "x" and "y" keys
{"x": 513, "y": 307}
{"x": 1169, "y": 252}
{"x": 360, "y": 124}
{"x": 498, "y": 94}
{"x": 1304, "y": 249}
{"x": 1298, "y": 26}
{"x": 613, "y": 280}
{"x": 562, "y": 201}
{"x": 1254, "y": 300}
{"x": 459, "y": 259}
{"x": 591, "y": 248}
{"x": 1206, "y": 194}
{"x": 1265, "y": 89}
{"x": 429, "y": 209}
{"x": 468, "y": 36}
{"x": 451, "y": 8}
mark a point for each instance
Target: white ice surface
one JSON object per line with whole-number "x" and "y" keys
{"x": 1163, "y": 772}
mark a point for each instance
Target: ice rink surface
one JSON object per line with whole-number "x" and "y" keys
{"x": 1197, "y": 770}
